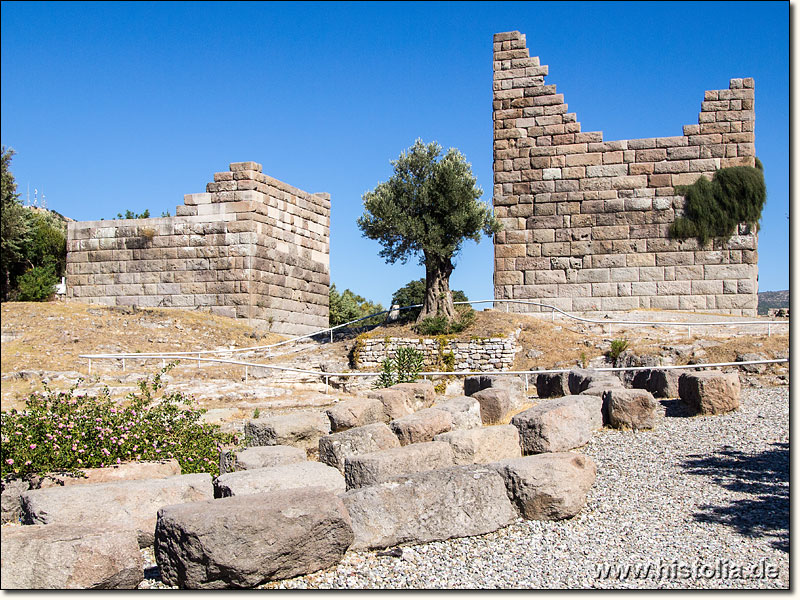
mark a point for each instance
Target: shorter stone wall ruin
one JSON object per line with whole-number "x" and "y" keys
{"x": 251, "y": 247}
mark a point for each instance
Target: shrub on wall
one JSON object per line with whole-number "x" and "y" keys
{"x": 715, "y": 208}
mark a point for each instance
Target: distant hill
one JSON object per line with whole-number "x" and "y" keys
{"x": 767, "y": 300}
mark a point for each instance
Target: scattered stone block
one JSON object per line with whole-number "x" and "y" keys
{"x": 70, "y": 557}
{"x": 122, "y": 504}
{"x": 555, "y": 425}
{"x": 122, "y": 472}
{"x": 595, "y": 406}
{"x": 484, "y": 445}
{"x": 423, "y": 393}
{"x": 632, "y": 409}
{"x": 334, "y": 448}
{"x": 11, "y": 501}
{"x": 548, "y": 486}
{"x": 377, "y": 467}
{"x": 259, "y": 457}
{"x": 421, "y": 426}
{"x": 244, "y": 541}
{"x": 464, "y": 411}
{"x": 396, "y": 403}
{"x": 355, "y": 413}
{"x": 751, "y": 356}
{"x": 301, "y": 429}
{"x": 495, "y": 404}
{"x": 552, "y": 385}
{"x": 710, "y": 392}
{"x": 511, "y": 383}
{"x": 434, "y": 505}
{"x": 662, "y": 383}
{"x": 283, "y": 477}
{"x": 582, "y": 379}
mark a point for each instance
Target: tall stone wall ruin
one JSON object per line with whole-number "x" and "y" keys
{"x": 586, "y": 221}
{"x": 251, "y": 247}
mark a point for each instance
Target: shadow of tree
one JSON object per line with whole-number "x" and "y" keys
{"x": 764, "y": 477}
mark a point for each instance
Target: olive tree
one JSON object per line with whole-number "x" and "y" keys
{"x": 427, "y": 209}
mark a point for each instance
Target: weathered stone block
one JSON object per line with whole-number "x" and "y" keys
{"x": 376, "y": 467}
{"x": 421, "y": 426}
{"x": 632, "y": 409}
{"x": 334, "y": 448}
{"x": 259, "y": 457}
{"x": 710, "y": 392}
{"x": 483, "y": 445}
{"x": 355, "y": 413}
{"x": 554, "y": 425}
{"x": 283, "y": 477}
{"x": 302, "y": 429}
{"x": 434, "y": 505}
{"x": 396, "y": 402}
{"x": 465, "y": 412}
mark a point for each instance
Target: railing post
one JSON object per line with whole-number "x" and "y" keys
{"x": 769, "y": 329}
{"x": 526, "y": 383}
{"x": 198, "y": 360}
{"x": 327, "y": 379}
{"x": 331, "y": 335}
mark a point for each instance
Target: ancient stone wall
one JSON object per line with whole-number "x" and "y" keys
{"x": 486, "y": 354}
{"x": 586, "y": 221}
{"x": 250, "y": 247}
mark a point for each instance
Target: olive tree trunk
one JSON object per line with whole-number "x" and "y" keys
{"x": 438, "y": 298}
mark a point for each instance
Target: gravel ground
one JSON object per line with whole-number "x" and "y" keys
{"x": 694, "y": 500}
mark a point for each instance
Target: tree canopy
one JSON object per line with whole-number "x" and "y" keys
{"x": 427, "y": 209}
{"x": 349, "y": 306}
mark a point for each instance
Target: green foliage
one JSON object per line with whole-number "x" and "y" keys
{"x": 29, "y": 238}
{"x": 414, "y": 293}
{"x": 403, "y": 368}
{"x": 440, "y": 325}
{"x": 129, "y": 214}
{"x": 427, "y": 209}
{"x": 617, "y": 348}
{"x": 256, "y": 413}
{"x": 37, "y": 284}
{"x": 348, "y": 306}
{"x": 66, "y": 432}
{"x": 715, "y": 208}
{"x": 355, "y": 351}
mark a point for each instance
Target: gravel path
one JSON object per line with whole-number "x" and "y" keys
{"x": 695, "y": 500}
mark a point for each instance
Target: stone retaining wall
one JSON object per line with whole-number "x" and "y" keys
{"x": 250, "y": 247}
{"x": 586, "y": 221}
{"x": 472, "y": 355}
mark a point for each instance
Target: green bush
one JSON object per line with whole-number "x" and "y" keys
{"x": 617, "y": 348}
{"x": 715, "y": 208}
{"x": 66, "y": 432}
{"x": 36, "y": 285}
{"x": 405, "y": 367}
{"x": 348, "y": 306}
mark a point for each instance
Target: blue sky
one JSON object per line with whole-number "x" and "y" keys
{"x": 132, "y": 105}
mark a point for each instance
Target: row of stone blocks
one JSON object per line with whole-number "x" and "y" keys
{"x": 282, "y": 516}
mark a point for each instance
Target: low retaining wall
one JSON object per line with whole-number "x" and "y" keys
{"x": 479, "y": 354}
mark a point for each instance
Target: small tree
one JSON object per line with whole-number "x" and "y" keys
{"x": 414, "y": 293}
{"x": 349, "y": 306}
{"x": 427, "y": 209}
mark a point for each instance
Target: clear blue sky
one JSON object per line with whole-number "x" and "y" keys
{"x": 130, "y": 106}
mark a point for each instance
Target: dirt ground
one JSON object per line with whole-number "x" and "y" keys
{"x": 44, "y": 341}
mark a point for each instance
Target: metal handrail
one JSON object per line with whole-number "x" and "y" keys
{"x": 199, "y": 353}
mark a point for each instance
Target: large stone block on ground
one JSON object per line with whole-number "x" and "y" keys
{"x": 423, "y": 393}
{"x": 433, "y": 505}
{"x": 710, "y": 392}
{"x": 495, "y": 404}
{"x": 555, "y": 425}
{"x": 552, "y": 385}
{"x": 582, "y": 379}
{"x": 259, "y": 457}
{"x": 244, "y": 541}
{"x": 334, "y": 448}
{"x": 396, "y": 402}
{"x": 301, "y": 429}
{"x": 421, "y": 426}
{"x": 548, "y": 486}
{"x": 484, "y": 445}
{"x": 283, "y": 477}
{"x": 662, "y": 383}
{"x": 122, "y": 504}
{"x": 355, "y": 413}
{"x": 377, "y": 467}
{"x": 122, "y": 472}
{"x": 512, "y": 383}
{"x": 70, "y": 557}
{"x": 465, "y": 411}
{"x": 594, "y": 405}
{"x": 632, "y": 409}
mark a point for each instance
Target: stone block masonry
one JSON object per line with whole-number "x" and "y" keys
{"x": 250, "y": 247}
{"x": 586, "y": 222}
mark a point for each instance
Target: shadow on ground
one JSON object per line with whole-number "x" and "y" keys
{"x": 763, "y": 476}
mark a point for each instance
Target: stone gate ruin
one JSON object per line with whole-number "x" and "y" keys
{"x": 251, "y": 247}
{"x": 586, "y": 221}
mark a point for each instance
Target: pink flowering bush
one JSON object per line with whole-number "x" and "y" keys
{"x": 65, "y": 432}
